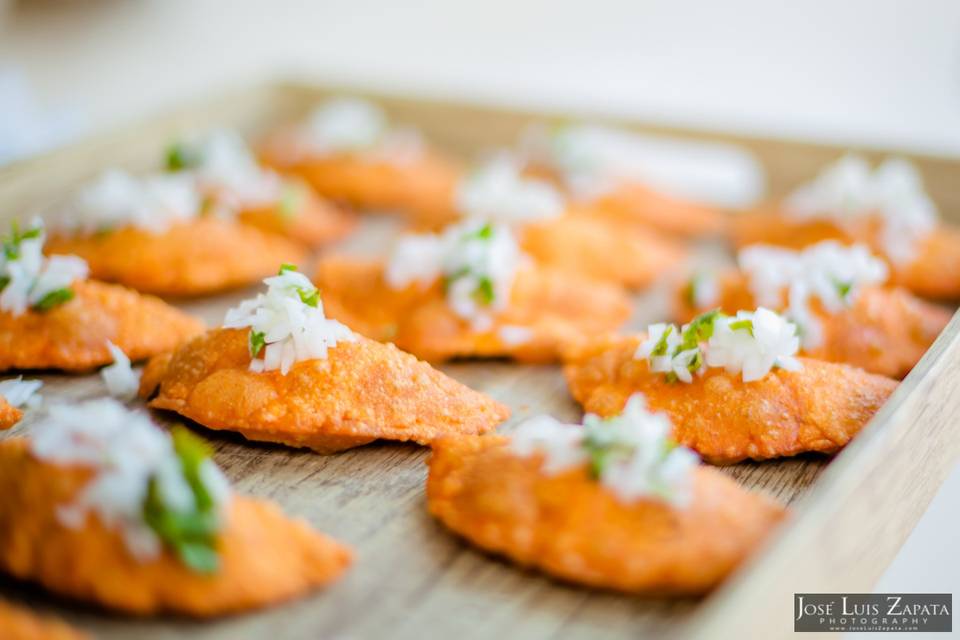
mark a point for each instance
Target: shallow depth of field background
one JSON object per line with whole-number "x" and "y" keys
{"x": 865, "y": 72}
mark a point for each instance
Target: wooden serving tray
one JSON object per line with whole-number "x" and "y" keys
{"x": 412, "y": 578}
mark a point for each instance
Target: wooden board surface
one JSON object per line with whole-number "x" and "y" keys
{"x": 412, "y": 579}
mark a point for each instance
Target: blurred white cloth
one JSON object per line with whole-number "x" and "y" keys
{"x": 26, "y": 128}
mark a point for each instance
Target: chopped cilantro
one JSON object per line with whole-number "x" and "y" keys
{"x": 843, "y": 288}
{"x": 660, "y": 349}
{"x": 258, "y": 340}
{"x": 746, "y": 323}
{"x": 310, "y": 297}
{"x": 484, "y": 292}
{"x": 4, "y": 281}
{"x": 181, "y": 157}
{"x": 689, "y": 292}
{"x": 291, "y": 201}
{"x": 191, "y": 534}
{"x": 286, "y": 266}
{"x": 699, "y": 330}
{"x": 11, "y": 243}
{"x": 54, "y": 298}
{"x": 483, "y": 233}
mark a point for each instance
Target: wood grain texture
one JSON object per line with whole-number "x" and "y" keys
{"x": 412, "y": 579}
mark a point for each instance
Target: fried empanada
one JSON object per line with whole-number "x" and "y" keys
{"x": 818, "y": 408}
{"x": 9, "y": 414}
{"x": 420, "y": 184}
{"x": 265, "y": 557}
{"x": 885, "y": 330}
{"x": 548, "y": 308}
{"x": 933, "y": 273}
{"x": 302, "y": 217}
{"x": 587, "y": 243}
{"x": 570, "y": 527}
{"x": 205, "y": 255}
{"x": 362, "y": 391}
{"x": 20, "y": 624}
{"x": 635, "y": 204}
{"x": 73, "y": 336}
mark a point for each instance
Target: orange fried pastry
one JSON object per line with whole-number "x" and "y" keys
{"x": 155, "y": 235}
{"x": 887, "y": 210}
{"x": 20, "y": 624}
{"x": 51, "y": 317}
{"x": 731, "y": 385}
{"x": 604, "y": 170}
{"x": 586, "y": 505}
{"x": 228, "y": 175}
{"x": 17, "y": 394}
{"x": 837, "y": 296}
{"x": 316, "y": 384}
{"x": 576, "y": 239}
{"x": 163, "y": 535}
{"x": 348, "y": 153}
{"x": 468, "y": 293}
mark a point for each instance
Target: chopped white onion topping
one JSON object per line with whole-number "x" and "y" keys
{"x": 346, "y": 124}
{"x": 752, "y": 343}
{"x": 21, "y": 393}
{"x": 118, "y": 199}
{"x": 499, "y": 192}
{"x": 477, "y": 261}
{"x": 630, "y": 454}
{"x": 595, "y": 159}
{"x": 287, "y": 323}
{"x": 31, "y": 280}
{"x": 121, "y": 379}
{"x": 125, "y": 450}
{"x": 228, "y": 169}
{"x": 828, "y": 271}
{"x": 847, "y": 191}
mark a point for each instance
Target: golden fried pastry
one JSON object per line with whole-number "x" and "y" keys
{"x": 301, "y": 216}
{"x": 229, "y": 177}
{"x": 73, "y": 336}
{"x": 9, "y": 414}
{"x": 885, "y": 208}
{"x": 589, "y": 245}
{"x": 880, "y": 329}
{"x": 547, "y": 309}
{"x": 347, "y": 153}
{"x": 635, "y": 204}
{"x": 362, "y": 391}
{"x": 818, "y": 407}
{"x": 933, "y": 272}
{"x": 199, "y": 257}
{"x": 20, "y": 624}
{"x": 569, "y": 525}
{"x": 222, "y": 554}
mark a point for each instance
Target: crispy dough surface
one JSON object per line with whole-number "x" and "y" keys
{"x": 570, "y": 527}
{"x": 73, "y": 336}
{"x": 17, "y": 623}
{"x": 934, "y": 273}
{"x": 636, "y": 204}
{"x": 588, "y": 243}
{"x": 313, "y": 223}
{"x": 885, "y": 330}
{"x": 193, "y": 258}
{"x": 362, "y": 392}
{"x": 265, "y": 557}
{"x": 556, "y": 307}
{"x": 9, "y": 414}
{"x": 819, "y": 408}
{"x": 421, "y": 187}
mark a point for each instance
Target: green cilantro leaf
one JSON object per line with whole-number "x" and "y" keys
{"x": 192, "y": 535}
{"x": 699, "y": 330}
{"x": 181, "y": 157}
{"x": 258, "y": 339}
{"x": 660, "y": 349}
{"x": 309, "y": 297}
{"x": 843, "y": 288}
{"x": 483, "y": 233}
{"x": 286, "y": 266}
{"x": 484, "y": 292}
{"x": 54, "y": 298}
{"x": 746, "y": 323}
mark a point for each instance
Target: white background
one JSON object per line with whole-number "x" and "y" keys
{"x": 876, "y": 72}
